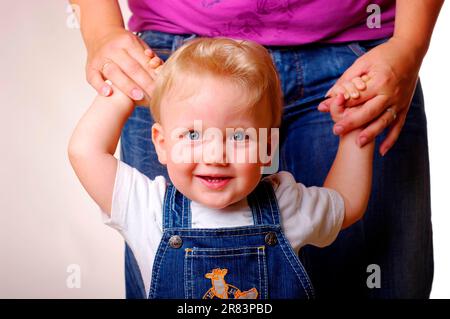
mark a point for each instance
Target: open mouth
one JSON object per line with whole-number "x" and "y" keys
{"x": 214, "y": 182}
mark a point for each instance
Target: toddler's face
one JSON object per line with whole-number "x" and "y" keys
{"x": 210, "y": 141}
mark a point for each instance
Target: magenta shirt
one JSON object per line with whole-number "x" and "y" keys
{"x": 269, "y": 22}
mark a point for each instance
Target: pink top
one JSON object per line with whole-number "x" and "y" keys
{"x": 269, "y": 22}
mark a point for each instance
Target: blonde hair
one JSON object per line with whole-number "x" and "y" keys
{"x": 244, "y": 62}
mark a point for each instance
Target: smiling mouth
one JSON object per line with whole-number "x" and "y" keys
{"x": 214, "y": 182}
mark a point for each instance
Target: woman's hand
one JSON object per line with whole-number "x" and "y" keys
{"x": 123, "y": 58}
{"x": 392, "y": 69}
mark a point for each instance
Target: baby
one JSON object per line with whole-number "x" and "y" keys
{"x": 218, "y": 228}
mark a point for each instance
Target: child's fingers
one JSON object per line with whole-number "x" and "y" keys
{"x": 154, "y": 62}
{"x": 359, "y": 83}
{"x": 336, "y": 90}
{"x": 351, "y": 89}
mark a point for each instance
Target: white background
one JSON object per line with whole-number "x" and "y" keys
{"x": 47, "y": 220}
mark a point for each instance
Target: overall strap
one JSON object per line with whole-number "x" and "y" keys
{"x": 264, "y": 204}
{"x": 176, "y": 209}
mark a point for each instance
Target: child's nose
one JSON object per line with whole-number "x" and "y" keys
{"x": 214, "y": 153}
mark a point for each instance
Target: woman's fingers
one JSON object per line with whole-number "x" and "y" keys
{"x": 393, "y": 133}
{"x": 94, "y": 78}
{"x": 367, "y": 113}
{"x": 375, "y": 128}
{"x": 115, "y": 74}
{"x": 137, "y": 78}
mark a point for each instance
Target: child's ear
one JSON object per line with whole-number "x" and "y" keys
{"x": 158, "y": 141}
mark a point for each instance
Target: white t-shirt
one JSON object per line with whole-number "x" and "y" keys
{"x": 308, "y": 215}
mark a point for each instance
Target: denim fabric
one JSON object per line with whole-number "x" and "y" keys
{"x": 251, "y": 261}
{"x": 395, "y": 233}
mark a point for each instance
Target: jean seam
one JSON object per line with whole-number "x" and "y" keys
{"x": 187, "y": 278}
{"x": 295, "y": 270}
{"x": 259, "y": 273}
{"x": 271, "y": 200}
{"x": 156, "y": 269}
{"x": 226, "y": 249}
{"x": 228, "y": 255}
{"x": 264, "y": 279}
{"x": 172, "y": 211}
{"x": 217, "y": 236}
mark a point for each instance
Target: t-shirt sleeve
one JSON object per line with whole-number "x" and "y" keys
{"x": 309, "y": 215}
{"x": 136, "y": 203}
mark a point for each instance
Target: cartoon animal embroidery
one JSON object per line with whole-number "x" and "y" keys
{"x": 222, "y": 290}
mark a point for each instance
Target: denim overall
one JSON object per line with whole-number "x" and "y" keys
{"x": 248, "y": 262}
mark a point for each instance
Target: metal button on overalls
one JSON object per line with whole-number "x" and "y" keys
{"x": 175, "y": 241}
{"x": 271, "y": 239}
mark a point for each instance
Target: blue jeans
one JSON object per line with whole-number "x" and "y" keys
{"x": 394, "y": 234}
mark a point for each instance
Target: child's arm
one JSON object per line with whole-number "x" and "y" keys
{"x": 93, "y": 144}
{"x": 351, "y": 175}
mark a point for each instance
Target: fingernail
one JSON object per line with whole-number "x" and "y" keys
{"x": 338, "y": 129}
{"x": 106, "y": 89}
{"x": 137, "y": 94}
{"x": 148, "y": 52}
{"x": 362, "y": 141}
{"x": 384, "y": 151}
{"x": 355, "y": 95}
{"x": 346, "y": 96}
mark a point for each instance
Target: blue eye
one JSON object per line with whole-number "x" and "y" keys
{"x": 193, "y": 135}
{"x": 240, "y": 136}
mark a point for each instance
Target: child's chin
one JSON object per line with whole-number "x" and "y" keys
{"x": 214, "y": 203}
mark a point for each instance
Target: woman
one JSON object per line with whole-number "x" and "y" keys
{"x": 315, "y": 45}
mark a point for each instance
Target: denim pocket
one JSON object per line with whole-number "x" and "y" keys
{"x": 225, "y": 273}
